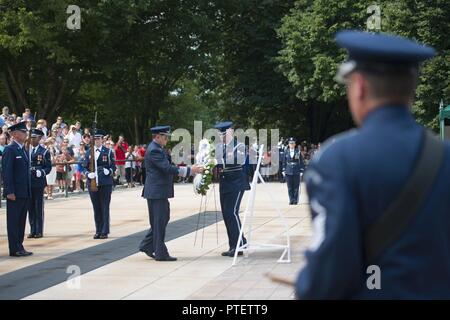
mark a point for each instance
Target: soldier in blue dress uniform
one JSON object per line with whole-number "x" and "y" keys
{"x": 16, "y": 189}
{"x": 232, "y": 184}
{"x": 351, "y": 183}
{"x": 157, "y": 190}
{"x": 293, "y": 166}
{"x": 41, "y": 165}
{"x": 102, "y": 197}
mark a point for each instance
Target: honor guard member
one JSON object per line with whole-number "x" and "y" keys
{"x": 16, "y": 188}
{"x": 157, "y": 190}
{"x": 293, "y": 166}
{"x": 232, "y": 183}
{"x": 102, "y": 197}
{"x": 382, "y": 223}
{"x": 41, "y": 165}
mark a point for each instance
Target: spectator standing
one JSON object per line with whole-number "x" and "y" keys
{"x": 120, "y": 150}
{"x": 61, "y": 169}
{"x": 59, "y": 123}
{"x": 5, "y": 113}
{"x": 51, "y": 177}
{"x": 74, "y": 136}
{"x": 130, "y": 167}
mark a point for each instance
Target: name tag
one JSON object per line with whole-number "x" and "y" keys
{"x": 18, "y": 157}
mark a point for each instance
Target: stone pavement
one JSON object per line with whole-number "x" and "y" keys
{"x": 114, "y": 269}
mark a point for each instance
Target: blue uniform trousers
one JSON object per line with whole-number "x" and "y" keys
{"x": 159, "y": 214}
{"x": 100, "y": 201}
{"x": 230, "y": 203}
{"x": 36, "y": 212}
{"x": 16, "y": 218}
{"x": 293, "y": 184}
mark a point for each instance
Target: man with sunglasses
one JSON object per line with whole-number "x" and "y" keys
{"x": 157, "y": 190}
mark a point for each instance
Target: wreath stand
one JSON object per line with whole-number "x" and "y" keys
{"x": 203, "y": 205}
{"x": 248, "y": 220}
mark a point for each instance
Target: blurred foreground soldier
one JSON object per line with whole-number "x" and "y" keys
{"x": 41, "y": 165}
{"x": 157, "y": 190}
{"x": 382, "y": 224}
{"x": 102, "y": 197}
{"x": 16, "y": 189}
{"x": 232, "y": 184}
{"x": 293, "y": 166}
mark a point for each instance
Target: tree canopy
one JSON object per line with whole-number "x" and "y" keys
{"x": 260, "y": 63}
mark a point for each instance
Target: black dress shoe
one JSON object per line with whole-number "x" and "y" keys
{"x": 96, "y": 236}
{"x": 230, "y": 253}
{"x": 39, "y": 235}
{"x": 151, "y": 255}
{"x": 168, "y": 258}
{"x": 30, "y": 236}
{"x": 22, "y": 253}
{"x": 103, "y": 236}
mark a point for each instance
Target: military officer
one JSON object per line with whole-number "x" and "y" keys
{"x": 157, "y": 190}
{"x": 233, "y": 182}
{"x": 382, "y": 224}
{"x": 104, "y": 177}
{"x": 41, "y": 165}
{"x": 293, "y": 166}
{"x": 16, "y": 189}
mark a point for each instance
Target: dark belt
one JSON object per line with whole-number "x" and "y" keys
{"x": 232, "y": 169}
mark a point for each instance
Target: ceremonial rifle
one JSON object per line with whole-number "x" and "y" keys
{"x": 92, "y": 160}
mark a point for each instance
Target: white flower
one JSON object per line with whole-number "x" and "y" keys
{"x": 206, "y": 171}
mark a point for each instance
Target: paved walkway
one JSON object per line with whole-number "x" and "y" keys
{"x": 114, "y": 269}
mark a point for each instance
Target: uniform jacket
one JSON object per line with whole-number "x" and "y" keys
{"x": 160, "y": 173}
{"x": 16, "y": 171}
{"x": 293, "y": 165}
{"x": 233, "y": 161}
{"x": 105, "y": 161}
{"x": 40, "y": 160}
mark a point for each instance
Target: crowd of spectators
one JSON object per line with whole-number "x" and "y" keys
{"x": 68, "y": 145}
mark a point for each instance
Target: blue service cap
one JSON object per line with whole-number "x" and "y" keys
{"x": 291, "y": 139}
{"x": 21, "y": 126}
{"x": 380, "y": 52}
{"x": 223, "y": 126}
{"x": 36, "y": 133}
{"x": 161, "y": 130}
{"x": 99, "y": 133}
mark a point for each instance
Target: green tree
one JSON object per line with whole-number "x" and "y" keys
{"x": 310, "y": 57}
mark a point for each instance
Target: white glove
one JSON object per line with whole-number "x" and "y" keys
{"x": 38, "y": 173}
{"x": 284, "y": 174}
{"x": 91, "y": 175}
{"x": 106, "y": 171}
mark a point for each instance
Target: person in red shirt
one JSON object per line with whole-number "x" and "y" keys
{"x": 140, "y": 153}
{"x": 120, "y": 149}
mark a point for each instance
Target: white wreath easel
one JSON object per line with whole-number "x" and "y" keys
{"x": 248, "y": 221}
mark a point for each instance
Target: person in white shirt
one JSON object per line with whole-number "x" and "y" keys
{"x": 74, "y": 136}
{"x": 130, "y": 166}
